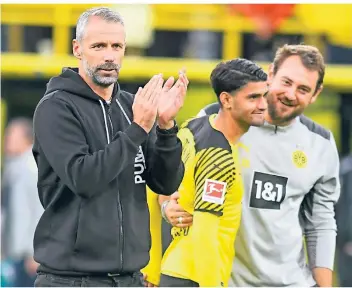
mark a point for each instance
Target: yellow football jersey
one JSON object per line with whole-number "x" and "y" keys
{"x": 212, "y": 191}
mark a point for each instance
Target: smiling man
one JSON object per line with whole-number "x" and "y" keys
{"x": 291, "y": 182}
{"x": 212, "y": 188}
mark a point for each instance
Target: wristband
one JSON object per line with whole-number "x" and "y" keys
{"x": 163, "y": 206}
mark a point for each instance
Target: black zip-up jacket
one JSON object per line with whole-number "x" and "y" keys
{"x": 96, "y": 217}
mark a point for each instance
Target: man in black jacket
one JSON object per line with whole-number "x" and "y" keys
{"x": 97, "y": 147}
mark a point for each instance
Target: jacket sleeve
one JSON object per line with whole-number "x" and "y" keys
{"x": 165, "y": 168}
{"x": 318, "y": 211}
{"x": 61, "y": 137}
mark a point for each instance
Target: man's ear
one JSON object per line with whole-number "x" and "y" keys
{"x": 76, "y": 49}
{"x": 225, "y": 99}
{"x": 316, "y": 94}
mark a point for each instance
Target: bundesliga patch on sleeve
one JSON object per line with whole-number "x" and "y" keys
{"x": 214, "y": 191}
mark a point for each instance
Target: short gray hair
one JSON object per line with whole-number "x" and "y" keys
{"x": 104, "y": 13}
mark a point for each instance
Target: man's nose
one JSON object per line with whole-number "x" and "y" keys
{"x": 109, "y": 56}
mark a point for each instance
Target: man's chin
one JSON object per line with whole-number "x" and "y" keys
{"x": 257, "y": 120}
{"x": 108, "y": 74}
{"x": 105, "y": 81}
{"x": 284, "y": 116}
{"x": 257, "y": 123}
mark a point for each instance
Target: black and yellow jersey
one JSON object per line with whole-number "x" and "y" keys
{"x": 212, "y": 191}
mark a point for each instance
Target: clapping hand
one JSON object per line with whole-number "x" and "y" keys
{"x": 171, "y": 100}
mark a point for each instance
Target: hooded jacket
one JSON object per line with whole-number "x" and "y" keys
{"x": 94, "y": 164}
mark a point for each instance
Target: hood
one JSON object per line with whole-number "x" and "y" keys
{"x": 70, "y": 81}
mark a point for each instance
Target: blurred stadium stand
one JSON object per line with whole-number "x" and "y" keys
{"x": 36, "y": 44}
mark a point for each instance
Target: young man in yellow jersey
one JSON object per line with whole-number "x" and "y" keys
{"x": 211, "y": 190}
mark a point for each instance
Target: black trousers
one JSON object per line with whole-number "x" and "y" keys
{"x": 169, "y": 281}
{"x": 51, "y": 280}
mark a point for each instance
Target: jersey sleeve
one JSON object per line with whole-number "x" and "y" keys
{"x": 187, "y": 187}
{"x": 207, "y": 259}
{"x": 318, "y": 212}
{"x": 213, "y": 176}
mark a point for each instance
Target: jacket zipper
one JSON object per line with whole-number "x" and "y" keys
{"x": 121, "y": 229}
{"x": 118, "y": 199}
{"x": 109, "y": 116}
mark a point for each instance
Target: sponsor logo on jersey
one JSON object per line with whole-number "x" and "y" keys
{"x": 268, "y": 191}
{"x": 214, "y": 191}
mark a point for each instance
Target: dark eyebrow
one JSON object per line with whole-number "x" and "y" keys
{"x": 118, "y": 43}
{"x": 305, "y": 87}
{"x": 288, "y": 79}
{"x": 104, "y": 44}
{"x": 300, "y": 86}
{"x": 97, "y": 43}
